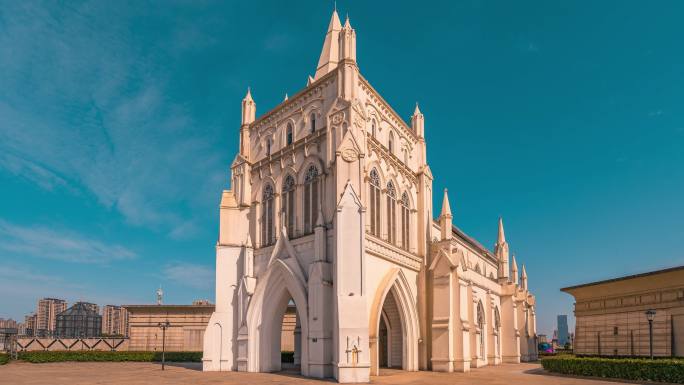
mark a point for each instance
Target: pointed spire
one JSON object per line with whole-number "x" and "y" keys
{"x": 514, "y": 270}
{"x": 418, "y": 122}
{"x": 286, "y": 97}
{"x": 309, "y": 81}
{"x": 523, "y": 278}
{"x": 501, "y": 239}
{"x": 248, "y": 243}
{"x": 248, "y": 108}
{"x": 347, "y": 25}
{"x": 446, "y": 208}
{"x": 445, "y": 225}
{"x": 330, "y": 52}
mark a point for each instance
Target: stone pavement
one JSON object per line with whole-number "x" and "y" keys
{"x": 138, "y": 373}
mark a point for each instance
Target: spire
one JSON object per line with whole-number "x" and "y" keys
{"x": 248, "y": 243}
{"x": 418, "y": 122}
{"x": 330, "y": 52}
{"x": 446, "y": 208}
{"x": 248, "y": 108}
{"x": 523, "y": 277}
{"x": 514, "y": 270}
{"x": 286, "y": 97}
{"x": 309, "y": 81}
{"x": 445, "y": 224}
{"x": 347, "y": 44}
{"x": 501, "y": 252}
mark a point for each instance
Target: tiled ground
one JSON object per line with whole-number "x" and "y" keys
{"x": 134, "y": 373}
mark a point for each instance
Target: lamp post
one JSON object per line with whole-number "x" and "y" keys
{"x": 164, "y": 325}
{"x": 650, "y": 314}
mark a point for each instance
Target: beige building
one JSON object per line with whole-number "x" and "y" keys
{"x": 331, "y": 208}
{"x": 611, "y": 315}
{"x": 185, "y": 332}
{"x": 46, "y": 315}
{"x": 115, "y": 320}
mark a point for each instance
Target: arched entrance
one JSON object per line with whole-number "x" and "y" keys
{"x": 279, "y": 290}
{"x": 290, "y": 340}
{"x": 393, "y": 325}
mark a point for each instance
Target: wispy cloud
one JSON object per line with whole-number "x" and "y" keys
{"x": 83, "y": 106}
{"x": 43, "y": 242}
{"x": 191, "y": 275}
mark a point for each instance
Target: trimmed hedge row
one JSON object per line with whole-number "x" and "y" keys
{"x": 4, "y": 358}
{"x": 97, "y": 356}
{"x": 636, "y": 369}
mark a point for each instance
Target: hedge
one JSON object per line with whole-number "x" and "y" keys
{"x": 4, "y": 358}
{"x": 100, "y": 356}
{"x": 635, "y": 369}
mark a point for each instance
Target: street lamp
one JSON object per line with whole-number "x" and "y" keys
{"x": 650, "y": 314}
{"x": 164, "y": 325}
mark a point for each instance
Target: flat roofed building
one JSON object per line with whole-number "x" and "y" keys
{"x": 185, "y": 332}
{"x": 611, "y": 320}
{"x": 114, "y": 320}
{"x": 46, "y": 315}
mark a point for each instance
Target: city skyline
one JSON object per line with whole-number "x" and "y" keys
{"x": 574, "y": 141}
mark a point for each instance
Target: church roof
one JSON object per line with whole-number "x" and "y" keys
{"x": 471, "y": 241}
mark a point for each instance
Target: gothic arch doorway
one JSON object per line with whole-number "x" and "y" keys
{"x": 394, "y": 325}
{"x": 280, "y": 291}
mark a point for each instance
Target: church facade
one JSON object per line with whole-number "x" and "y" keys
{"x": 330, "y": 210}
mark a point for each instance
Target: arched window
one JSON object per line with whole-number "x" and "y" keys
{"x": 267, "y": 228}
{"x": 268, "y": 147}
{"x": 405, "y": 221}
{"x": 406, "y": 157}
{"x": 390, "y": 143}
{"x": 375, "y": 202}
{"x": 480, "y": 324}
{"x": 391, "y": 213}
{"x": 289, "y": 134}
{"x": 313, "y": 122}
{"x": 310, "y": 198}
{"x": 287, "y": 202}
{"x": 373, "y": 128}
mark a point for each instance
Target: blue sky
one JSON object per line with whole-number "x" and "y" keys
{"x": 118, "y": 123}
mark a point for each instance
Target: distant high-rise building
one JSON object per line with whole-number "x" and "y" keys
{"x": 92, "y": 306}
{"x": 30, "y": 325}
{"x": 8, "y": 323}
{"x": 115, "y": 320}
{"x": 46, "y": 315}
{"x": 79, "y": 321}
{"x": 563, "y": 330}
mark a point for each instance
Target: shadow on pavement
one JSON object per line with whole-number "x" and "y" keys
{"x": 187, "y": 365}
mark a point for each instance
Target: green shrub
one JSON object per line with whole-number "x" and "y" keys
{"x": 85, "y": 355}
{"x": 4, "y": 358}
{"x": 635, "y": 369}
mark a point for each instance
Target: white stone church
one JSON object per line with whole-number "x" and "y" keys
{"x": 330, "y": 208}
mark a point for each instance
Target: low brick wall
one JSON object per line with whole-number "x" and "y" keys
{"x": 72, "y": 344}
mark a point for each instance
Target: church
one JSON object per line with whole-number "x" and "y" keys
{"x": 330, "y": 212}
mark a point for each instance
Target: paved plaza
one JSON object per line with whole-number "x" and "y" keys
{"x": 136, "y": 373}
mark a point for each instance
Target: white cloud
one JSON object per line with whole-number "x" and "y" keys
{"x": 43, "y": 242}
{"x": 191, "y": 275}
{"x": 82, "y": 108}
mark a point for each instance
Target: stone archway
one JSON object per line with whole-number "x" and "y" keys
{"x": 273, "y": 293}
{"x": 395, "y": 287}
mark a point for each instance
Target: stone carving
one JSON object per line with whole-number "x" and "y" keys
{"x": 349, "y": 154}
